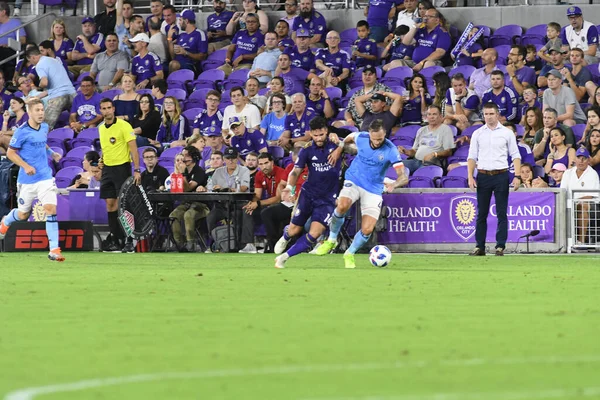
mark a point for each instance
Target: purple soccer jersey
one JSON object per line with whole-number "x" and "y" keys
{"x": 505, "y": 100}
{"x": 86, "y": 109}
{"x": 246, "y": 43}
{"x": 248, "y": 142}
{"x": 318, "y": 107}
{"x": 294, "y": 80}
{"x": 194, "y": 42}
{"x": 379, "y": 11}
{"x": 97, "y": 39}
{"x": 428, "y": 42}
{"x": 367, "y": 46}
{"x": 286, "y": 42}
{"x": 298, "y": 126}
{"x": 305, "y": 60}
{"x": 208, "y": 125}
{"x": 145, "y": 67}
{"x": 524, "y": 75}
{"x": 218, "y": 22}
{"x": 336, "y": 61}
{"x": 66, "y": 46}
{"x": 316, "y": 25}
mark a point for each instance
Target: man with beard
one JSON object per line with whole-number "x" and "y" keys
{"x": 293, "y": 78}
{"x": 191, "y": 45}
{"x": 252, "y": 165}
{"x": 311, "y": 20}
{"x": 106, "y": 20}
{"x": 217, "y": 22}
{"x": 244, "y": 46}
{"x": 520, "y": 76}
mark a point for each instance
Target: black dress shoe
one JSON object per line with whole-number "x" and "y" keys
{"x": 499, "y": 251}
{"x": 477, "y": 252}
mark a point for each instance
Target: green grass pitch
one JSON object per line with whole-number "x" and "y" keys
{"x": 181, "y": 326}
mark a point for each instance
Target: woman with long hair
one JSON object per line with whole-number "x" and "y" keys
{"x": 90, "y": 177}
{"x": 596, "y": 98}
{"x": 126, "y": 103}
{"x": 533, "y": 123}
{"x": 238, "y": 21}
{"x": 526, "y": 175}
{"x": 559, "y": 151}
{"x": 174, "y": 127}
{"x": 441, "y": 81}
{"x": 62, "y": 43}
{"x": 593, "y": 122}
{"x": 13, "y": 117}
{"x": 416, "y": 101}
{"x": 593, "y": 146}
{"x": 146, "y": 122}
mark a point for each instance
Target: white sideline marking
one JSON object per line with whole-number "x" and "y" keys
{"x": 32, "y": 392}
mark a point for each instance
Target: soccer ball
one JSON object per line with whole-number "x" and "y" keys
{"x": 380, "y": 256}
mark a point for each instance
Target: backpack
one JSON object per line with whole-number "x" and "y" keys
{"x": 220, "y": 234}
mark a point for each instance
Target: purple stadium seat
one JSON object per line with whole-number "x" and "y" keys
{"x": 506, "y": 35}
{"x": 431, "y": 171}
{"x": 348, "y": 35}
{"x": 179, "y": 79}
{"x": 456, "y": 159}
{"x": 86, "y": 138}
{"x": 461, "y": 151}
{"x": 334, "y": 93}
{"x": 63, "y": 119}
{"x": 397, "y": 76}
{"x": 179, "y": 94}
{"x": 276, "y": 151}
{"x": 198, "y": 98}
{"x": 453, "y": 129}
{"x": 578, "y": 131}
{"x": 144, "y": 91}
{"x": 58, "y": 150}
{"x": 538, "y": 171}
{"x": 461, "y": 171}
{"x": 111, "y": 94}
{"x": 520, "y": 130}
{"x": 430, "y": 71}
{"x": 404, "y": 141}
{"x": 448, "y": 182}
{"x": 74, "y": 157}
{"x": 595, "y": 73}
{"x": 65, "y": 176}
{"x": 236, "y": 78}
{"x": 469, "y": 131}
{"x": 214, "y": 60}
{"x": 409, "y": 131}
{"x": 60, "y": 137}
{"x": 466, "y": 70}
{"x": 535, "y": 35}
{"x": 167, "y": 162}
{"x": 503, "y": 51}
{"x": 209, "y": 79}
{"x": 420, "y": 182}
{"x": 171, "y": 152}
{"x": 80, "y": 77}
{"x": 191, "y": 113}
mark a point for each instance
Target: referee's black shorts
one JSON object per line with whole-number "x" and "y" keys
{"x": 112, "y": 180}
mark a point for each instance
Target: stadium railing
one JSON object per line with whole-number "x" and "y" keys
{"x": 578, "y": 221}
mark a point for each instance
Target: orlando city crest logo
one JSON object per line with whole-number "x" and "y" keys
{"x": 462, "y": 215}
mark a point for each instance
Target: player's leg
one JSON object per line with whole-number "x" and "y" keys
{"x": 348, "y": 195}
{"x": 26, "y": 196}
{"x": 46, "y": 193}
{"x": 300, "y": 215}
{"x": 370, "y": 209}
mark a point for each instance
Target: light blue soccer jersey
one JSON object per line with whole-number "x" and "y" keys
{"x": 368, "y": 168}
{"x": 31, "y": 145}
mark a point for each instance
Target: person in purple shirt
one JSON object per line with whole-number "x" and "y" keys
{"x": 282, "y": 29}
{"x": 318, "y": 100}
{"x": 145, "y": 66}
{"x": 432, "y": 42}
{"x": 294, "y": 79}
{"x": 217, "y": 22}
{"x": 4, "y": 94}
{"x": 191, "y": 46}
{"x": 396, "y": 50}
{"x": 174, "y": 127}
{"x": 378, "y": 15}
{"x": 319, "y": 192}
{"x": 311, "y": 20}
{"x": 415, "y": 101}
{"x": 244, "y": 46}
{"x": 364, "y": 50}
{"x": 85, "y": 110}
{"x": 7, "y": 24}
{"x": 245, "y": 140}
{"x": 519, "y": 76}
{"x": 300, "y": 55}
{"x": 502, "y": 96}
{"x": 333, "y": 62}
{"x": 62, "y": 43}
{"x": 88, "y": 44}
{"x": 210, "y": 119}
{"x": 296, "y": 123}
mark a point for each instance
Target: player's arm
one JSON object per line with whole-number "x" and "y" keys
{"x": 402, "y": 179}
{"x": 13, "y": 155}
{"x": 335, "y": 155}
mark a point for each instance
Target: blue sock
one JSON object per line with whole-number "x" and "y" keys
{"x": 286, "y": 235}
{"x": 336, "y": 225}
{"x": 301, "y": 245}
{"x": 359, "y": 241}
{"x": 52, "y": 231}
{"x": 11, "y": 217}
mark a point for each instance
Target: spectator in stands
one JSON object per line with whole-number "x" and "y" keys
{"x": 469, "y": 55}
{"x": 580, "y": 34}
{"x": 146, "y": 122}
{"x": 554, "y": 41}
{"x": 244, "y": 46}
{"x": 480, "y": 80}
{"x": 217, "y": 24}
{"x": 556, "y": 62}
{"x": 563, "y": 100}
{"x": 311, "y": 20}
{"x": 432, "y": 42}
{"x": 24, "y": 84}
{"x": 106, "y": 20}
{"x": 146, "y": 67}
{"x": 109, "y": 66}
{"x": 529, "y": 101}
{"x": 174, "y": 127}
{"x": 88, "y": 44}
{"x": 378, "y": 14}
{"x": 277, "y": 85}
{"x": 159, "y": 91}
{"x": 158, "y": 42}
{"x": 4, "y": 93}
{"x": 593, "y": 146}
{"x": 10, "y": 123}
{"x": 246, "y": 140}
{"x": 433, "y": 143}
{"x": 370, "y": 85}
{"x": 520, "y": 75}
{"x": 214, "y": 140}
{"x": 62, "y": 44}
{"x": 531, "y": 59}
{"x": 85, "y": 111}
{"x": 265, "y": 63}
{"x": 541, "y": 149}
{"x": 156, "y": 11}
{"x": 247, "y": 112}
{"x": 410, "y": 15}
{"x": 318, "y": 100}
{"x": 559, "y": 151}
{"x": 579, "y": 77}
{"x": 294, "y": 78}
{"x": 524, "y": 150}
{"x": 441, "y": 83}
{"x": 54, "y": 78}
{"x": 503, "y": 96}
{"x": 416, "y": 100}
{"x": 7, "y": 24}
{"x": 282, "y": 29}
{"x": 364, "y": 50}
{"x": 126, "y": 103}
{"x": 297, "y": 123}
{"x": 596, "y": 98}
{"x": 91, "y": 175}
{"x": 199, "y": 142}
{"x": 215, "y": 161}
{"x": 123, "y": 25}
{"x": 593, "y": 122}
{"x": 395, "y": 51}
{"x": 154, "y": 176}
{"x": 239, "y": 20}
{"x": 533, "y": 123}
{"x": 333, "y": 63}
{"x": 191, "y": 45}
{"x": 210, "y": 120}
{"x": 189, "y": 213}
{"x": 273, "y": 124}
{"x": 378, "y": 110}
{"x": 24, "y": 67}
{"x": 252, "y": 88}
{"x": 170, "y": 22}
{"x": 581, "y": 176}
{"x": 291, "y": 12}
{"x": 462, "y": 104}
{"x": 47, "y": 49}
{"x": 526, "y": 176}
{"x": 300, "y": 55}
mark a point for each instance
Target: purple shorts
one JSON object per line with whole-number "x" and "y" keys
{"x": 318, "y": 209}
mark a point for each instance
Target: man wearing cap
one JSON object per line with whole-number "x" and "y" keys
{"x": 296, "y": 128}
{"x": 556, "y": 62}
{"x": 311, "y": 20}
{"x": 217, "y": 22}
{"x": 244, "y": 140}
{"x": 105, "y": 21}
{"x": 502, "y": 96}
{"x": 294, "y": 79}
{"x": 300, "y": 55}
{"x": 580, "y": 34}
{"x": 241, "y": 108}
{"x": 332, "y": 62}
{"x": 370, "y": 85}
{"x": 265, "y": 63}
{"x": 214, "y": 142}
{"x": 191, "y": 46}
{"x": 88, "y": 44}
{"x": 378, "y": 111}
{"x": 581, "y": 177}
{"x": 556, "y": 174}
{"x": 146, "y": 66}
{"x": 578, "y": 77}
{"x": 519, "y": 76}
{"x": 244, "y": 46}
{"x": 563, "y": 100}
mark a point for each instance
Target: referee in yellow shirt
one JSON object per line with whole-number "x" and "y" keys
{"x": 117, "y": 141}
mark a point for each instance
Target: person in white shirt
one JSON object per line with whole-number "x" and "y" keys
{"x": 248, "y": 112}
{"x": 581, "y": 177}
{"x": 410, "y": 15}
{"x": 158, "y": 41}
{"x": 491, "y": 145}
{"x": 580, "y": 34}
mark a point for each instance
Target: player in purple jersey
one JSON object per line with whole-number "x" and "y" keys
{"x": 316, "y": 201}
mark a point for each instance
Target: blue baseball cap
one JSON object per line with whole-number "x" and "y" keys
{"x": 88, "y": 19}
{"x": 582, "y": 152}
{"x": 574, "y": 10}
{"x": 189, "y": 15}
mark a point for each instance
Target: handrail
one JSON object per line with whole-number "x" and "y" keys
{"x": 18, "y": 52}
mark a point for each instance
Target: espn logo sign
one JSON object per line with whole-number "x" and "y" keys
{"x": 31, "y": 236}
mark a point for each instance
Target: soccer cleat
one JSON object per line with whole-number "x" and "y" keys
{"x": 111, "y": 247}
{"x": 56, "y": 255}
{"x": 280, "y": 261}
{"x": 349, "y": 260}
{"x": 129, "y": 248}
{"x": 3, "y": 229}
{"x": 325, "y": 247}
{"x": 280, "y": 245}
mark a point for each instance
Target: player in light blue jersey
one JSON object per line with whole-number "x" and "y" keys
{"x": 364, "y": 182}
{"x": 28, "y": 150}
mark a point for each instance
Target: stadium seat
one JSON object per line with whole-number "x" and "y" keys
{"x": 595, "y": 73}
{"x": 506, "y": 35}
{"x": 453, "y": 129}
{"x": 503, "y": 51}
{"x": 198, "y": 98}
{"x": 462, "y": 171}
{"x": 276, "y": 151}
{"x": 404, "y": 141}
{"x": 538, "y": 171}
{"x": 432, "y": 171}
{"x": 74, "y": 158}
{"x": 461, "y": 151}
{"x": 348, "y": 35}
{"x": 419, "y": 182}
{"x": 456, "y": 159}
{"x": 409, "y": 131}
{"x": 534, "y": 35}
{"x": 466, "y": 70}
{"x": 179, "y": 94}
{"x": 191, "y": 114}
{"x": 86, "y": 138}
{"x": 58, "y": 150}
{"x": 448, "y": 182}
{"x": 65, "y": 176}
{"x": 469, "y": 131}
{"x": 520, "y": 130}
{"x": 111, "y": 94}
{"x": 209, "y": 79}
{"x": 179, "y": 79}
{"x": 60, "y": 137}
{"x": 144, "y": 91}
{"x": 214, "y": 60}
{"x": 430, "y": 71}
{"x": 485, "y": 36}
{"x": 578, "y": 131}
{"x": 63, "y": 119}
{"x": 236, "y": 78}
{"x": 167, "y": 162}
